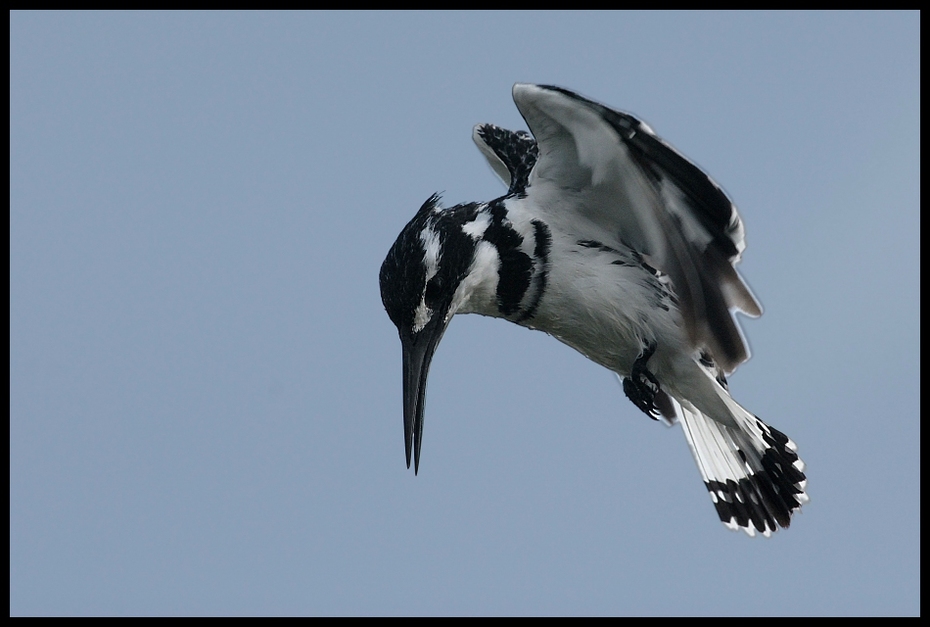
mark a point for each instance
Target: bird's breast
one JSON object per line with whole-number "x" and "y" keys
{"x": 603, "y": 302}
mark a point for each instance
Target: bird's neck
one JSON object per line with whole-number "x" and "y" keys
{"x": 509, "y": 268}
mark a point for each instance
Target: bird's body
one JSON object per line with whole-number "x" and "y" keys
{"x": 612, "y": 242}
{"x": 602, "y": 319}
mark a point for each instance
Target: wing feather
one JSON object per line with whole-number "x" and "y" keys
{"x": 606, "y": 174}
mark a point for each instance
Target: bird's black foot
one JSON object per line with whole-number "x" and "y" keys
{"x": 643, "y": 388}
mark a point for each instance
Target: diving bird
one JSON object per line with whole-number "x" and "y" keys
{"x": 613, "y": 242}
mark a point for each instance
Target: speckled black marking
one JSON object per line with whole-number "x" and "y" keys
{"x": 516, "y": 267}
{"x": 652, "y": 270}
{"x": 593, "y": 243}
{"x": 517, "y": 150}
{"x": 655, "y": 280}
{"x": 778, "y": 443}
{"x": 766, "y": 497}
{"x": 403, "y": 272}
{"x": 739, "y": 502}
{"x": 456, "y": 251}
{"x": 660, "y": 292}
{"x": 708, "y": 362}
{"x": 543, "y": 238}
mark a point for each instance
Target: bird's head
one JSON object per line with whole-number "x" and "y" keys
{"x": 422, "y": 286}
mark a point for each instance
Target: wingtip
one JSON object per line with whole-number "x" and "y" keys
{"x": 522, "y": 89}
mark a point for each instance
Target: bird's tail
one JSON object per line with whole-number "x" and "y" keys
{"x": 752, "y": 471}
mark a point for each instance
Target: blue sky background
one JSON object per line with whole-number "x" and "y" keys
{"x": 205, "y": 391}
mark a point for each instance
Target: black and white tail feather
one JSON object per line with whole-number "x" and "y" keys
{"x": 594, "y": 192}
{"x": 753, "y": 473}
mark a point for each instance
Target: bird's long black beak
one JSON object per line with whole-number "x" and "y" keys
{"x": 418, "y": 353}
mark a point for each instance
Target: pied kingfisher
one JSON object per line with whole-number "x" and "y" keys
{"x": 613, "y": 242}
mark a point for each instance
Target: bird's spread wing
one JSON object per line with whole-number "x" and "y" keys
{"x": 606, "y": 173}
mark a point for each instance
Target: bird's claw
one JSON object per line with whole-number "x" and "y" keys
{"x": 642, "y": 387}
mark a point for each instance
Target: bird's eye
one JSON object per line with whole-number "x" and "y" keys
{"x": 433, "y": 291}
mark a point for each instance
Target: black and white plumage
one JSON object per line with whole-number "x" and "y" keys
{"x": 614, "y": 243}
